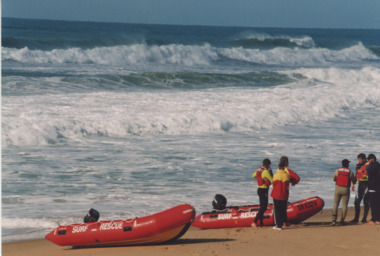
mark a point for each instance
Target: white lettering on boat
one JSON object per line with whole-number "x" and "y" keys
{"x": 79, "y": 229}
{"x": 224, "y": 216}
{"x": 111, "y": 226}
{"x": 246, "y": 215}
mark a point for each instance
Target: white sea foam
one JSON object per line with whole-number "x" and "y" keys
{"x": 288, "y": 56}
{"x": 188, "y": 55}
{"x": 322, "y": 94}
{"x": 305, "y": 41}
{"x": 27, "y": 223}
{"x": 118, "y": 55}
{"x": 302, "y": 41}
{"x": 18, "y": 229}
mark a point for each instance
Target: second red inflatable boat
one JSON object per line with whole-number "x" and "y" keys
{"x": 243, "y": 216}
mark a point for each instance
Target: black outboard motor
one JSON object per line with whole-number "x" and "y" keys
{"x": 219, "y": 202}
{"x": 92, "y": 216}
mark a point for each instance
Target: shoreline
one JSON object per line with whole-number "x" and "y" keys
{"x": 20, "y": 240}
{"x": 314, "y": 236}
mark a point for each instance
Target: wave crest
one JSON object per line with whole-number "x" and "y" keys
{"x": 287, "y": 56}
{"x": 117, "y": 55}
{"x": 187, "y": 55}
{"x": 267, "y": 41}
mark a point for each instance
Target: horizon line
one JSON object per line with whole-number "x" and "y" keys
{"x": 192, "y": 25}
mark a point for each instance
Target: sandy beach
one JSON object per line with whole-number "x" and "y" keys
{"x": 312, "y": 237}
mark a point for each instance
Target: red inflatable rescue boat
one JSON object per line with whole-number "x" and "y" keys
{"x": 157, "y": 228}
{"x": 243, "y": 216}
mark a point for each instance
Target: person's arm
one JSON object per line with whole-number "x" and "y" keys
{"x": 369, "y": 173}
{"x": 294, "y": 178}
{"x": 270, "y": 177}
{"x": 270, "y": 171}
{"x": 267, "y": 177}
{"x": 356, "y": 174}
{"x": 335, "y": 174}
{"x": 352, "y": 177}
{"x": 254, "y": 175}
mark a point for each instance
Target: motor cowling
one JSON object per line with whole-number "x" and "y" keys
{"x": 219, "y": 202}
{"x": 92, "y": 216}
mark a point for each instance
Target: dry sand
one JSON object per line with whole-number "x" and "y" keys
{"x": 312, "y": 237}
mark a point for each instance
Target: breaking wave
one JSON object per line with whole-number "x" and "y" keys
{"x": 312, "y": 97}
{"x": 188, "y": 55}
{"x": 268, "y": 41}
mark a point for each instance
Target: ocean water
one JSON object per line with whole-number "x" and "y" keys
{"x": 133, "y": 119}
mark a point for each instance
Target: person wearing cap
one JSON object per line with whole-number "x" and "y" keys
{"x": 362, "y": 190}
{"x": 263, "y": 175}
{"x": 373, "y": 170}
{"x": 343, "y": 178}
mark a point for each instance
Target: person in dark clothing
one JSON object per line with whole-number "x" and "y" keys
{"x": 264, "y": 179}
{"x": 373, "y": 170}
{"x": 362, "y": 190}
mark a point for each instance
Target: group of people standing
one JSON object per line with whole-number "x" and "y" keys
{"x": 368, "y": 179}
{"x": 367, "y": 176}
{"x": 280, "y": 192}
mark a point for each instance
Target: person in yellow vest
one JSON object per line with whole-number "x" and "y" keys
{"x": 343, "y": 178}
{"x": 362, "y": 191}
{"x": 280, "y": 192}
{"x": 264, "y": 179}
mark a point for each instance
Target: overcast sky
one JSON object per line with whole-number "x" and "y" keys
{"x": 251, "y": 13}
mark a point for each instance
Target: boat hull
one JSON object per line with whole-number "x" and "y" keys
{"x": 157, "y": 228}
{"x": 243, "y": 216}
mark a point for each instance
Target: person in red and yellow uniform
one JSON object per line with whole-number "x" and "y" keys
{"x": 264, "y": 179}
{"x": 343, "y": 178}
{"x": 362, "y": 191}
{"x": 280, "y": 193}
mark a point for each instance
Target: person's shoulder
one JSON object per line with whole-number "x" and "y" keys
{"x": 291, "y": 172}
{"x": 266, "y": 172}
